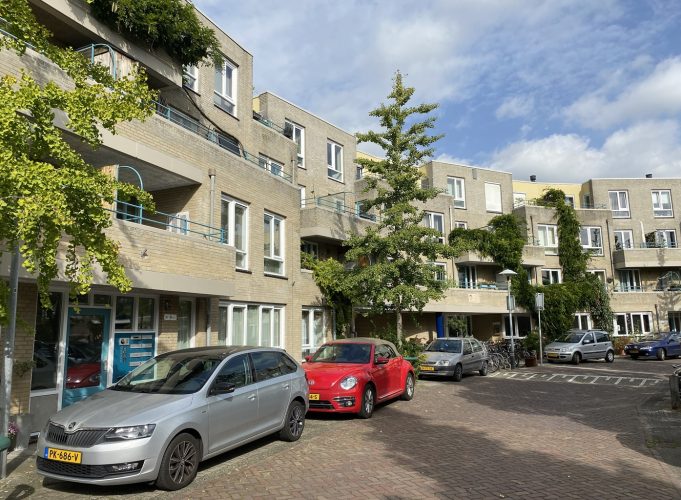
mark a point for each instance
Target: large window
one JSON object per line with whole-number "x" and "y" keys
{"x": 441, "y": 271}
{"x": 190, "y": 77}
{"x": 582, "y": 321}
{"x": 334, "y": 161}
{"x": 298, "y": 136}
{"x": 662, "y": 203}
{"x": 624, "y": 238}
{"x": 274, "y": 244}
{"x": 674, "y": 319}
{"x": 456, "y": 187}
{"x": 435, "y": 221}
{"x": 468, "y": 277}
{"x": 635, "y": 323}
{"x": 630, "y": 280}
{"x": 312, "y": 328}
{"x": 619, "y": 203}
{"x": 665, "y": 238}
{"x": 225, "y": 87}
{"x": 252, "y": 324}
{"x": 234, "y": 225}
{"x": 551, "y": 276}
{"x": 271, "y": 165}
{"x": 547, "y": 234}
{"x": 493, "y": 197}
{"x": 44, "y": 371}
{"x": 591, "y": 240}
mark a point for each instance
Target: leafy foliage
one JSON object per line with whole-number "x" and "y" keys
{"x": 49, "y": 196}
{"x": 170, "y": 24}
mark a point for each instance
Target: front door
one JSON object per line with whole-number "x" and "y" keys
{"x": 87, "y": 347}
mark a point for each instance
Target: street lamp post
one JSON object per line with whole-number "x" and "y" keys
{"x": 509, "y": 304}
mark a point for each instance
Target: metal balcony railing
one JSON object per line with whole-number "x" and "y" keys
{"x": 332, "y": 203}
{"x": 269, "y": 123}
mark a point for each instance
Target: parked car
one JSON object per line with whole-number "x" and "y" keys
{"x": 352, "y": 375}
{"x": 578, "y": 345}
{"x": 83, "y": 375}
{"x": 170, "y": 413}
{"x": 660, "y": 345}
{"x": 454, "y": 356}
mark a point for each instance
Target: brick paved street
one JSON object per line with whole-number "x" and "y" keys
{"x": 548, "y": 432}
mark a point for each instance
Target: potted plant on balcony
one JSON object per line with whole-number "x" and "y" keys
{"x": 12, "y": 432}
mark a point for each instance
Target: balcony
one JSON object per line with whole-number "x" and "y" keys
{"x": 470, "y": 301}
{"x": 328, "y": 217}
{"x": 648, "y": 256}
{"x": 533, "y": 256}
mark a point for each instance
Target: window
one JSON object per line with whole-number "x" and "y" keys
{"x": 662, "y": 203}
{"x": 271, "y": 364}
{"x": 190, "y": 77}
{"x": 456, "y": 187}
{"x": 665, "y": 238}
{"x": 582, "y": 321}
{"x": 312, "y": 328}
{"x": 493, "y": 197}
{"x": 551, "y": 276}
{"x": 334, "y": 161}
{"x": 146, "y": 308}
{"x": 310, "y": 248}
{"x": 619, "y": 203}
{"x": 299, "y": 138}
{"x": 548, "y": 238}
{"x": 630, "y": 280}
{"x": 271, "y": 165}
{"x": 362, "y": 211}
{"x": 600, "y": 274}
{"x": 590, "y": 238}
{"x": 435, "y": 221}
{"x": 178, "y": 223}
{"x": 251, "y": 324}
{"x": 441, "y": 271}
{"x": 124, "y": 313}
{"x": 303, "y": 200}
{"x": 237, "y": 371}
{"x": 225, "y": 87}
{"x": 640, "y": 323}
{"x": 359, "y": 172}
{"x": 624, "y": 239}
{"x": 519, "y": 199}
{"x": 234, "y": 225}
{"x": 674, "y": 319}
{"x": 44, "y": 370}
{"x": 570, "y": 200}
{"x": 460, "y": 224}
{"x": 274, "y": 244}
{"x": 586, "y": 201}
{"x": 468, "y": 277}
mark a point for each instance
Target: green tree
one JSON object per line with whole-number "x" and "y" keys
{"x": 51, "y": 201}
{"x": 400, "y": 249}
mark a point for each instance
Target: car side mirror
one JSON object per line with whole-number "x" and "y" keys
{"x": 382, "y": 360}
{"x": 586, "y": 341}
{"x": 222, "y": 388}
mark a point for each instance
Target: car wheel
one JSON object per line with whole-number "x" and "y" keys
{"x": 483, "y": 370}
{"x": 180, "y": 463}
{"x": 409, "y": 386}
{"x": 576, "y": 358}
{"x": 294, "y": 423}
{"x": 458, "y": 373}
{"x": 661, "y": 354}
{"x": 368, "y": 402}
{"x": 609, "y": 357}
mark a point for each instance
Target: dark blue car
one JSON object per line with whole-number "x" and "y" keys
{"x": 660, "y": 345}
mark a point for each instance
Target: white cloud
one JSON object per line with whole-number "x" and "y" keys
{"x": 649, "y": 147}
{"x": 515, "y": 107}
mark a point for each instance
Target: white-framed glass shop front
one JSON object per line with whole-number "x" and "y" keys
{"x": 251, "y": 324}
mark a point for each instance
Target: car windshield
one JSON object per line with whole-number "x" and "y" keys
{"x": 571, "y": 338}
{"x": 170, "y": 373}
{"x": 343, "y": 353}
{"x": 445, "y": 346}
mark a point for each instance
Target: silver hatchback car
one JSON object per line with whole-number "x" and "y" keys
{"x": 454, "y": 356}
{"x": 177, "y": 409}
{"x": 577, "y": 345}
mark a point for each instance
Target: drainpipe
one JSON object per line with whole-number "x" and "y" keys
{"x": 612, "y": 265}
{"x": 211, "y": 216}
{"x": 209, "y": 330}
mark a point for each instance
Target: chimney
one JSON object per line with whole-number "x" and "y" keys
{"x": 649, "y": 176}
{"x": 533, "y": 178}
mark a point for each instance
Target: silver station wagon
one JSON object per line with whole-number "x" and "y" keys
{"x": 177, "y": 409}
{"x": 577, "y": 345}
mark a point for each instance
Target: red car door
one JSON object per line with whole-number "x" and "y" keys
{"x": 380, "y": 373}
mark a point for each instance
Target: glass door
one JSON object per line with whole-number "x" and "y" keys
{"x": 87, "y": 347}
{"x": 185, "y": 324}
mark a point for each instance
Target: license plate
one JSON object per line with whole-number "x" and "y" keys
{"x": 73, "y": 457}
{"x": 552, "y": 355}
{"x": 314, "y": 397}
{"x": 633, "y": 351}
{"x": 427, "y": 368}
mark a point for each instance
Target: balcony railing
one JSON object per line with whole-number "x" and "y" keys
{"x": 337, "y": 205}
{"x": 268, "y": 123}
{"x": 170, "y": 222}
{"x": 224, "y": 141}
{"x": 624, "y": 287}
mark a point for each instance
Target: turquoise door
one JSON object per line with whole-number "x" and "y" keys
{"x": 87, "y": 348}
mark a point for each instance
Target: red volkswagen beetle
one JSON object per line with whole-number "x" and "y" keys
{"x": 352, "y": 375}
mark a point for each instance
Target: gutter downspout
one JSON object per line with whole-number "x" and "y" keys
{"x": 211, "y": 215}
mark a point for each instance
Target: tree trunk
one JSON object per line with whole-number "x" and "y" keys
{"x": 398, "y": 327}
{"x": 353, "y": 330}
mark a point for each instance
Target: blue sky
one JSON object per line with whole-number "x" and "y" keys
{"x": 564, "y": 89}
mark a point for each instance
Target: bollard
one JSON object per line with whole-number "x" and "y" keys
{"x": 674, "y": 390}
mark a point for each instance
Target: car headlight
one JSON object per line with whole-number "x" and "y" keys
{"x": 564, "y": 349}
{"x": 442, "y": 362}
{"x": 133, "y": 432}
{"x": 348, "y": 383}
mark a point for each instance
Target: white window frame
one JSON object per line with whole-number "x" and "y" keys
{"x": 554, "y": 276}
{"x": 310, "y": 344}
{"x": 519, "y": 199}
{"x": 303, "y": 199}
{"x": 272, "y": 166}
{"x": 178, "y": 222}
{"x": 190, "y": 77}
{"x": 310, "y": 247}
{"x": 231, "y": 336}
{"x": 359, "y": 172}
{"x": 224, "y": 94}
{"x": 456, "y": 186}
{"x": 662, "y": 208}
{"x": 429, "y": 221}
{"x": 625, "y": 237}
{"x": 241, "y": 261}
{"x": 583, "y": 321}
{"x": 620, "y": 204}
{"x": 492, "y": 192}
{"x": 600, "y": 273}
{"x": 570, "y": 200}
{"x": 441, "y": 273}
{"x": 589, "y": 241}
{"x": 547, "y": 237}
{"x": 298, "y": 136}
{"x": 470, "y": 276}
{"x": 334, "y": 160}
{"x": 272, "y": 257}
{"x": 460, "y": 224}
{"x": 666, "y": 238}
